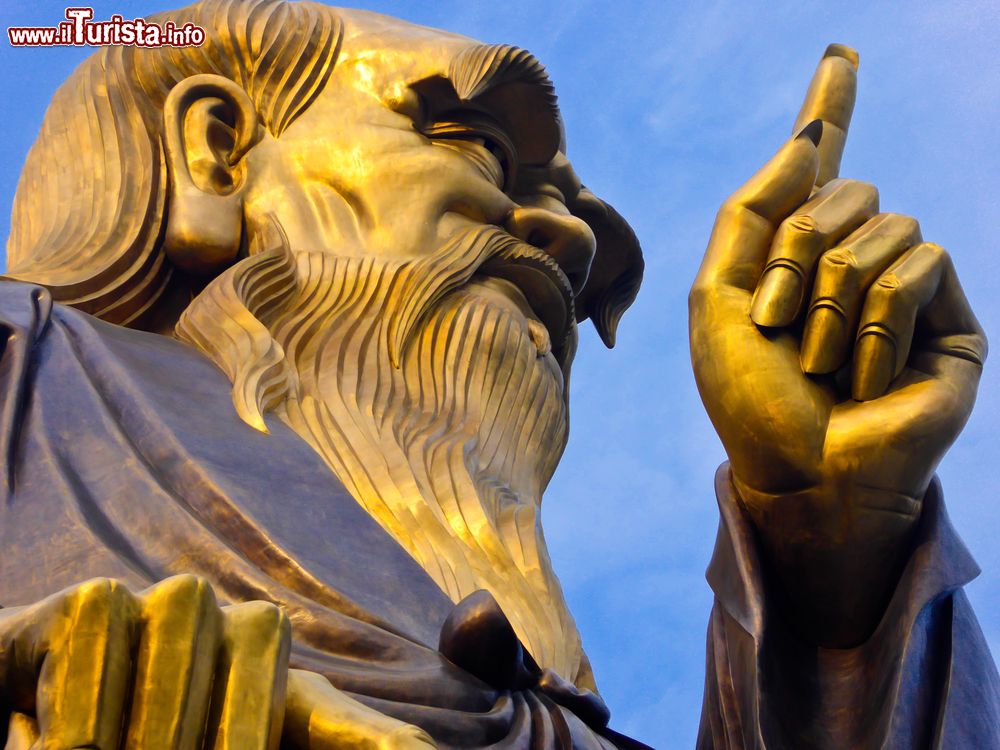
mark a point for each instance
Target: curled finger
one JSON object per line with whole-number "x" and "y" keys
{"x": 174, "y": 664}
{"x": 842, "y": 280}
{"x": 248, "y": 696}
{"x": 75, "y": 648}
{"x": 921, "y": 279}
{"x": 829, "y": 216}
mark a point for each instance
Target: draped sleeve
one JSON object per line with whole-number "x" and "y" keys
{"x": 925, "y": 679}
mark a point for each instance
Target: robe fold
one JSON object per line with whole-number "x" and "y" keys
{"x": 123, "y": 457}
{"x": 924, "y": 680}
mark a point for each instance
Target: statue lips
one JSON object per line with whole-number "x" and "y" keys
{"x": 544, "y": 285}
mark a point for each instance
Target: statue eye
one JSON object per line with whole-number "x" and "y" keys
{"x": 501, "y": 154}
{"x": 482, "y": 131}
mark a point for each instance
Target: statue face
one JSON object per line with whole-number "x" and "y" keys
{"x": 390, "y": 163}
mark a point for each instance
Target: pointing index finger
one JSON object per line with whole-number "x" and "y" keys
{"x": 831, "y": 98}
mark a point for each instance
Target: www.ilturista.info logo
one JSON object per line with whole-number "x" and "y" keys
{"x": 79, "y": 30}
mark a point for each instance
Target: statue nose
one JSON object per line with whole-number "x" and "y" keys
{"x": 568, "y": 239}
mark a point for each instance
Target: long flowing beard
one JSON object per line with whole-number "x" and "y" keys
{"x": 427, "y": 397}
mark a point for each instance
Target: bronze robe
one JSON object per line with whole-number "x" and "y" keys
{"x": 123, "y": 457}
{"x": 924, "y": 680}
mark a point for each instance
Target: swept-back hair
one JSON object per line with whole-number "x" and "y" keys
{"x": 89, "y": 212}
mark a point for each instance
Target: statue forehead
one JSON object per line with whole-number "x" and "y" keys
{"x": 398, "y": 49}
{"x": 389, "y": 57}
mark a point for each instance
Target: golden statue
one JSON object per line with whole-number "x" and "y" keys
{"x": 273, "y": 462}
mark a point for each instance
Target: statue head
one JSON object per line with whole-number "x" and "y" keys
{"x": 373, "y": 229}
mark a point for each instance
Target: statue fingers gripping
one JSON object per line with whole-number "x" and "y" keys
{"x": 289, "y": 337}
{"x": 96, "y": 666}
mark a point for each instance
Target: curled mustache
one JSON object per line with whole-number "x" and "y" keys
{"x": 481, "y": 249}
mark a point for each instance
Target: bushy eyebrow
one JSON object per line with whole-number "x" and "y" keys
{"x": 477, "y": 69}
{"x": 514, "y": 86}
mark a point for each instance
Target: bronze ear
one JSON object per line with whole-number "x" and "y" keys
{"x": 209, "y": 123}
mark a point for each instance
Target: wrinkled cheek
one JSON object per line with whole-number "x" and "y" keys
{"x": 420, "y": 201}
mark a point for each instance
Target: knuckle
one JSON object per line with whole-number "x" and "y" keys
{"x": 886, "y": 288}
{"x": 936, "y": 252}
{"x": 847, "y": 182}
{"x": 731, "y": 209}
{"x": 100, "y": 605}
{"x": 904, "y": 224}
{"x": 799, "y": 224}
{"x": 261, "y": 616}
{"x": 856, "y": 191}
{"x": 188, "y": 593}
{"x": 730, "y": 205}
{"x": 841, "y": 260}
{"x": 706, "y": 295}
{"x": 887, "y": 292}
{"x": 100, "y": 591}
{"x": 187, "y": 589}
{"x": 867, "y": 190}
{"x": 698, "y": 295}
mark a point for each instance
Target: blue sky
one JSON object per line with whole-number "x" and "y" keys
{"x": 669, "y": 106}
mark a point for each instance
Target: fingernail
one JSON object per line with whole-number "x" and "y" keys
{"x": 777, "y": 298}
{"x": 874, "y": 365}
{"x": 824, "y": 346}
{"x": 813, "y": 131}
{"x": 842, "y": 50}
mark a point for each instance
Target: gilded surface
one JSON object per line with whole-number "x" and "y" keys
{"x": 373, "y": 230}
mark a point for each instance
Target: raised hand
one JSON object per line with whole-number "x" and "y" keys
{"x": 99, "y": 667}
{"x": 838, "y": 359}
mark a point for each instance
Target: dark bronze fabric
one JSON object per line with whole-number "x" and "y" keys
{"x": 123, "y": 457}
{"x": 924, "y": 680}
